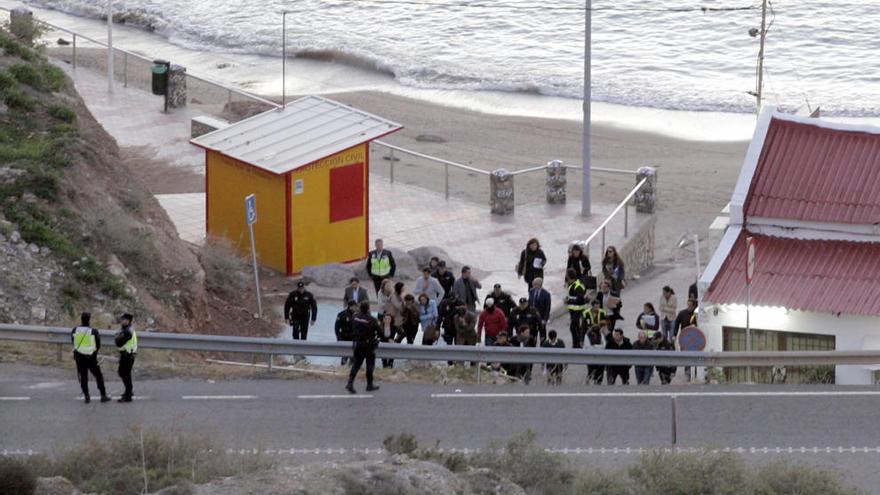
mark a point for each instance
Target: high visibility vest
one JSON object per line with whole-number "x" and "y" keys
{"x": 380, "y": 265}
{"x": 131, "y": 346}
{"x": 84, "y": 341}
{"x": 574, "y": 285}
{"x": 588, "y": 314}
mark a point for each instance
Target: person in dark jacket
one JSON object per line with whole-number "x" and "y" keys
{"x": 686, "y": 318}
{"x": 594, "y": 339}
{"x": 554, "y": 371}
{"x": 388, "y": 332}
{"x": 666, "y": 372}
{"x": 618, "y": 343}
{"x": 366, "y": 339}
{"x": 531, "y": 262}
{"x": 576, "y": 302}
{"x": 343, "y": 326}
{"x": 524, "y": 338}
{"x": 410, "y": 313}
{"x": 380, "y": 265}
{"x": 611, "y": 302}
{"x": 446, "y": 314}
{"x": 354, "y": 292}
{"x": 541, "y": 300}
{"x": 613, "y": 270}
{"x": 643, "y": 373}
{"x": 445, "y": 277}
{"x": 648, "y": 320}
{"x": 299, "y": 308}
{"x": 86, "y": 344}
{"x": 126, "y": 342}
{"x": 502, "y": 299}
{"x": 579, "y": 262}
{"x": 524, "y": 314}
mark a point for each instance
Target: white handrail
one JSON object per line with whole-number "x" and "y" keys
{"x": 433, "y": 158}
{"x": 613, "y": 213}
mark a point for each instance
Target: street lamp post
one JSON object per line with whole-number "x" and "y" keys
{"x": 586, "y": 197}
{"x": 110, "y": 88}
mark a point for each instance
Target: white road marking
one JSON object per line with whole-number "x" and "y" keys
{"x": 339, "y": 396}
{"x": 15, "y": 398}
{"x": 44, "y": 385}
{"x": 219, "y": 397}
{"x": 580, "y": 450}
{"x": 489, "y": 395}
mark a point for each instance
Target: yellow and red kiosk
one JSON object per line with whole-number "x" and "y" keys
{"x": 308, "y": 164}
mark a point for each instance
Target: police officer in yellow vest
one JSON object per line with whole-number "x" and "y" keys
{"x": 127, "y": 342}
{"x": 576, "y": 301}
{"x": 594, "y": 315}
{"x": 86, "y": 343}
{"x": 380, "y": 265}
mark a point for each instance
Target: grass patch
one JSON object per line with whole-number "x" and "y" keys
{"x": 164, "y": 457}
{"x": 538, "y": 472}
{"x": 15, "y": 48}
{"x": 17, "y": 100}
{"x": 62, "y": 113}
{"x": 16, "y": 477}
{"x": 7, "y": 80}
{"x": 41, "y": 76}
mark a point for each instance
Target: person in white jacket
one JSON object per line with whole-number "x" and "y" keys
{"x": 668, "y": 312}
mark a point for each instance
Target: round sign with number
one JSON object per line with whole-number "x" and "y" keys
{"x": 691, "y": 339}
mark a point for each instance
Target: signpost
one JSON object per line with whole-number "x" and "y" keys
{"x": 750, "y": 271}
{"x": 250, "y": 209}
{"x": 691, "y": 339}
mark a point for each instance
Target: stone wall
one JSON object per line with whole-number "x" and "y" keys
{"x": 638, "y": 251}
{"x": 176, "y": 86}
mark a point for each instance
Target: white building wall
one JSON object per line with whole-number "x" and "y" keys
{"x": 851, "y": 332}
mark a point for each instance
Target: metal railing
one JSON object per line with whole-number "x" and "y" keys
{"x": 623, "y": 205}
{"x": 273, "y": 347}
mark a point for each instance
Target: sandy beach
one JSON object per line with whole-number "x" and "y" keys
{"x": 696, "y": 178}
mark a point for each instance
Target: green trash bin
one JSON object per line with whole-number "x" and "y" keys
{"x": 160, "y": 70}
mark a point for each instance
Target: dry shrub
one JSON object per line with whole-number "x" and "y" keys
{"x": 16, "y": 476}
{"x": 225, "y": 269}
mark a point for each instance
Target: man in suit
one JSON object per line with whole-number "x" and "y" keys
{"x": 355, "y": 293}
{"x": 540, "y": 300}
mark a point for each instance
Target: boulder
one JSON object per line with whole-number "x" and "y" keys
{"x": 424, "y": 254}
{"x": 329, "y": 275}
{"x": 55, "y": 486}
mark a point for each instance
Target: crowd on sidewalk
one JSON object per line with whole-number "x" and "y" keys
{"x": 447, "y": 307}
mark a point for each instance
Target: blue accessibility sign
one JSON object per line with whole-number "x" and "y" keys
{"x": 691, "y": 339}
{"x": 250, "y": 208}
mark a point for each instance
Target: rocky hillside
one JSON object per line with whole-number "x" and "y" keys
{"x": 78, "y": 230}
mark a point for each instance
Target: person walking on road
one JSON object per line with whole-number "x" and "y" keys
{"x": 127, "y": 342}
{"x": 643, "y": 373}
{"x": 531, "y": 262}
{"x": 492, "y": 320}
{"x": 554, "y": 370}
{"x": 465, "y": 289}
{"x": 613, "y": 270}
{"x": 86, "y": 344}
{"x": 666, "y": 372}
{"x": 502, "y": 299}
{"x": 366, "y": 339}
{"x": 524, "y": 314}
{"x": 429, "y": 285}
{"x": 540, "y": 299}
{"x": 354, "y": 292}
{"x": 648, "y": 321}
{"x": 429, "y": 318}
{"x": 576, "y": 302}
{"x": 300, "y": 311}
{"x": 595, "y": 339}
{"x": 668, "y": 312}
{"x": 343, "y": 326}
{"x": 611, "y": 303}
{"x": 618, "y": 343}
{"x": 445, "y": 277}
{"x": 579, "y": 262}
{"x": 411, "y": 319}
{"x": 380, "y": 265}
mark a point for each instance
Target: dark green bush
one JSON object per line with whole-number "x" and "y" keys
{"x": 27, "y": 74}
{"x": 7, "y": 81}
{"x": 16, "y": 477}
{"x": 15, "y": 98}
{"x": 62, "y": 113}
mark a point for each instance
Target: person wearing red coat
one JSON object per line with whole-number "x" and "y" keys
{"x": 492, "y": 320}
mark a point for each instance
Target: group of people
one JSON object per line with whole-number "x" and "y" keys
{"x": 445, "y": 306}
{"x": 86, "y": 344}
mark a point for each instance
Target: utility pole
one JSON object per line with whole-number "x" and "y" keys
{"x": 283, "y": 58}
{"x": 586, "y": 196}
{"x": 760, "y": 88}
{"x": 110, "y": 46}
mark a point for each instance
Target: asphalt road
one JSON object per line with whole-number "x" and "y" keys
{"x": 40, "y": 410}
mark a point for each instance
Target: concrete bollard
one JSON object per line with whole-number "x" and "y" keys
{"x": 556, "y": 182}
{"x": 21, "y": 25}
{"x": 646, "y": 198}
{"x": 176, "y": 86}
{"x": 501, "y": 192}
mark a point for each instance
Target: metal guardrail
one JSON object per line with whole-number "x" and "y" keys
{"x": 271, "y": 347}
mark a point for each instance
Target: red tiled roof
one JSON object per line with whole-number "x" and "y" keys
{"x": 811, "y": 173}
{"x": 807, "y": 275}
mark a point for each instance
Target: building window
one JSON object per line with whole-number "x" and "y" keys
{"x": 347, "y": 192}
{"x": 734, "y": 339}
